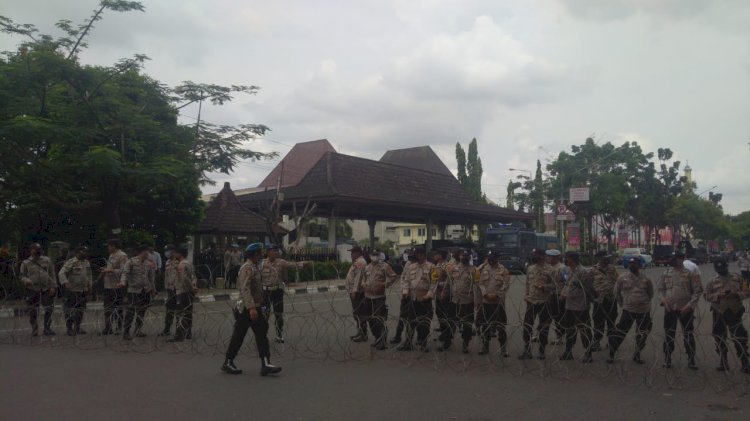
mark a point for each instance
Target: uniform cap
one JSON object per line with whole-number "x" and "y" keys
{"x": 251, "y": 248}
{"x": 273, "y": 247}
{"x": 636, "y": 260}
{"x": 356, "y": 249}
{"x": 81, "y": 248}
{"x": 169, "y": 247}
{"x": 419, "y": 250}
{"x": 679, "y": 255}
{"x": 493, "y": 255}
{"x": 602, "y": 253}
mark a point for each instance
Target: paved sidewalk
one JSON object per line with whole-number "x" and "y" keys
{"x": 17, "y": 308}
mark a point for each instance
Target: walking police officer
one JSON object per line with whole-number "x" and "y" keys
{"x": 75, "y": 278}
{"x": 38, "y": 276}
{"x": 633, "y": 291}
{"x": 250, "y": 314}
{"x": 725, "y": 295}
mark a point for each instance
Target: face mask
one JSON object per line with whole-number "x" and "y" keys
{"x": 81, "y": 257}
{"x": 634, "y": 270}
{"x": 36, "y": 252}
{"x": 375, "y": 258}
{"x": 168, "y": 254}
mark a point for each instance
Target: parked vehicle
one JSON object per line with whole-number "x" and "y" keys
{"x": 629, "y": 253}
{"x": 515, "y": 245}
{"x": 663, "y": 254}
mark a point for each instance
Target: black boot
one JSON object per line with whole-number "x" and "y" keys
{"x": 485, "y": 348}
{"x": 526, "y": 355}
{"x": 567, "y": 355}
{"x": 723, "y": 364}
{"x": 637, "y": 358}
{"x": 229, "y": 367}
{"x": 691, "y": 363}
{"x": 406, "y": 346}
{"x": 266, "y": 368}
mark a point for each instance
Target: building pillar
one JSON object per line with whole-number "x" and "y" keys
{"x": 332, "y": 230}
{"x": 428, "y": 243}
{"x": 371, "y": 226}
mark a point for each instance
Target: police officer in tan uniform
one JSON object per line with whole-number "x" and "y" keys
{"x": 679, "y": 291}
{"x": 494, "y": 281}
{"x": 466, "y": 299}
{"x": 633, "y": 291}
{"x": 378, "y": 276}
{"x": 273, "y": 274}
{"x": 556, "y": 303}
{"x": 578, "y": 292}
{"x": 356, "y": 293}
{"x": 725, "y": 294}
{"x": 138, "y": 277}
{"x": 186, "y": 287}
{"x": 419, "y": 287}
{"x": 75, "y": 278}
{"x": 405, "y": 308}
{"x": 604, "y": 312}
{"x": 113, "y": 293}
{"x": 443, "y": 304}
{"x": 249, "y": 314}
{"x": 170, "y": 274}
{"x": 38, "y": 276}
{"x": 539, "y": 290}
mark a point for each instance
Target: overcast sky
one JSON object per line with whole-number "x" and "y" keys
{"x": 383, "y": 74}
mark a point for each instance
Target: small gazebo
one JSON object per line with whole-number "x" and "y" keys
{"x": 227, "y": 222}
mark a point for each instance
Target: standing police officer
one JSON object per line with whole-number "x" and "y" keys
{"x": 170, "y": 274}
{"x": 443, "y": 304}
{"x": 578, "y": 292}
{"x": 725, "y": 295}
{"x": 38, "y": 276}
{"x": 75, "y": 278}
{"x": 539, "y": 290}
{"x": 466, "y": 299}
{"x": 557, "y": 303}
{"x": 186, "y": 287}
{"x": 249, "y": 314}
{"x": 356, "y": 293}
{"x": 494, "y": 281}
{"x": 633, "y": 291}
{"x": 138, "y": 277}
{"x": 113, "y": 293}
{"x": 680, "y": 290}
{"x": 405, "y": 307}
{"x": 605, "y": 305}
{"x": 273, "y": 276}
{"x": 378, "y": 276}
{"x": 418, "y": 285}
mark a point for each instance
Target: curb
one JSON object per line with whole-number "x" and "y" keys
{"x": 9, "y": 312}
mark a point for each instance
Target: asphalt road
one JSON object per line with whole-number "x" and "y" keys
{"x": 328, "y": 377}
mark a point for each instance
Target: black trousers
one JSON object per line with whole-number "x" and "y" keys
{"x": 533, "y": 311}
{"x": 273, "y": 300}
{"x": 171, "y": 309}
{"x": 732, "y": 322}
{"x": 232, "y": 273}
{"x": 404, "y": 317}
{"x": 74, "y": 305}
{"x": 670, "y": 328}
{"x": 462, "y": 318}
{"x": 420, "y": 320}
{"x": 643, "y": 325}
{"x": 375, "y": 313}
{"x": 557, "y": 312}
{"x": 575, "y": 321}
{"x": 492, "y": 317}
{"x": 443, "y": 311}
{"x": 113, "y": 311}
{"x": 184, "y": 314}
{"x": 357, "y": 312}
{"x": 137, "y": 304}
{"x": 604, "y": 315}
{"x": 260, "y": 329}
{"x": 33, "y": 300}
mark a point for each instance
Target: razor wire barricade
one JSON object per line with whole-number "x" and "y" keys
{"x": 319, "y": 326}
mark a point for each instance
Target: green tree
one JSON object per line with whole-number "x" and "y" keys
{"x": 88, "y": 151}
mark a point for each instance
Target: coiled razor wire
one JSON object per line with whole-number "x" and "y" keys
{"x": 318, "y": 327}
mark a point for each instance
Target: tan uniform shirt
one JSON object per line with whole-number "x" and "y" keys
{"x": 680, "y": 287}
{"x": 731, "y": 301}
{"x": 493, "y": 283}
{"x": 579, "y": 289}
{"x": 604, "y": 282}
{"x": 232, "y": 258}
{"x": 378, "y": 277}
{"x": 138, "y": 275}
{"x": 634, "y": 293}
{"x": 75, "y": 275}
{"x": 463, "y": 286}
{"x": 250, "y": 286}
{"x": 273, "y": 273}
{"x": 557, "y": 278}
{"x": 38, "y": 274}
{"x": 418, "y": 283}
{"x": 355, "y": 274}
{"x": 185, "y": 279}
{"x": 539, "y": 284}
{"x": 170, "y": 274}
{"x": 440, "y": 274}
{"x": 116, "y": 262}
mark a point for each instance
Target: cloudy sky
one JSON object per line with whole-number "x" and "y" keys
{"x": 526, "y": 78}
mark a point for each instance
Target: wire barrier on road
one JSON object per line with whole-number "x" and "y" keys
{"x": 318, "y": 326}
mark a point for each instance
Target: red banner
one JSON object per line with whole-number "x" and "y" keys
{"x": 574, "y": 236}
{"x": 623, "y": 238}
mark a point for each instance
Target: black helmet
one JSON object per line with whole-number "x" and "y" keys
{"x": 720, "y": 264}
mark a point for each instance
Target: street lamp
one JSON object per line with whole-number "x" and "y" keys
{"x": 706, "y": 191}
